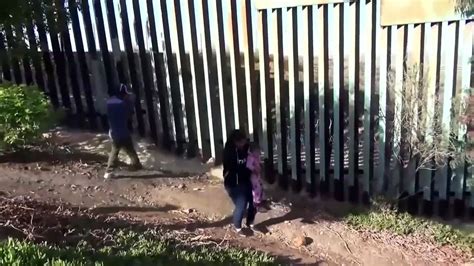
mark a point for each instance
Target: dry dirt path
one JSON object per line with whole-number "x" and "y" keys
{"x": 299, "y": 234}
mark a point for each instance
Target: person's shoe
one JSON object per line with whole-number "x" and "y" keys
{"x": 251, "y": 227}
{"x": 239, "y": 231}
{"x": 108, "y": 175}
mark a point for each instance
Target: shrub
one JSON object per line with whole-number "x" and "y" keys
{"x": 417, "y": 119}
{"x": 25, "y": 113}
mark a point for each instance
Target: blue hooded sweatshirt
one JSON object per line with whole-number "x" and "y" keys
{"x": 118, "y": 113}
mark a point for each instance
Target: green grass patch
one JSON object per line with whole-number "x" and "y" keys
{"x": 128, "y": 248}
{"x": 390, "y": 220}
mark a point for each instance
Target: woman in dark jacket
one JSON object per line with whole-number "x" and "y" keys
{"x": 237, "y": 178}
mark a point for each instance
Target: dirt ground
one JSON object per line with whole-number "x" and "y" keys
{"x": 186, "y": 194}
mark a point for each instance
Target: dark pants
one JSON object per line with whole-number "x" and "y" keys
{"x": 243, "y": 201}
{"x": 127, "y": 146}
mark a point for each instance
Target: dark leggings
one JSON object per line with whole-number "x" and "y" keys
{"x": 243, "y": 201}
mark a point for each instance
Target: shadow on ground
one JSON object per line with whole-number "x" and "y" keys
{"x": 67, "y": 226}
{"x": 52, "y": 157}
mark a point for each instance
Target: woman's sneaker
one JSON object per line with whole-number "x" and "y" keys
{"x": 239, "y": 231}
{"x": 250, "y": 226}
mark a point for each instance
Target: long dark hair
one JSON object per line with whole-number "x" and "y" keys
{"x": 235, "y": 136}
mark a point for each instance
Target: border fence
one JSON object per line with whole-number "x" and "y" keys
{"x": 310, "y": 82}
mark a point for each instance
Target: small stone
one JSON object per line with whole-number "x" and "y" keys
{"x": 210, "y": 161}
{"x": 197, "y": 189}
{"x": 188, "y": 211}
{"x": 300, "y": 241}
{"x": 182, "y": 186}
{"x": 50, "y": 189}
{"x": 44, "y": 169}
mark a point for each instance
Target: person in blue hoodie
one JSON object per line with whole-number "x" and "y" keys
{"x": 119, "y": 111}
{"x": 237, "y": 179}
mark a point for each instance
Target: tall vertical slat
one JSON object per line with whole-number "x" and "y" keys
{"x": 207, "y": 58}
{"x": 448, "y": 52}
{"x": 160, "y": 78}
{"x": 119, "y": 62}
{"x": 84, "y": 70}
{"x": 455, "y": 182}
{"x": 48, "y": 65}
{"x": 96, "y": 66}
{"x": 119, "y": 66}
{"x": 217, "y": 144}
{"x": 13, "y": 50}
{"x": 279, "y": 81}
{"x": 347, "y": 48}
{"x": 353, "y": 102}
{"x": 323, "y": 87}
{"x": 470, "y": 169}
{"x": 452, "y": 70}
{"x": 436, "y": 111}
{"x": 225, "y": 109}
{"x": 194, "y": 59}
{"x": 382, "y": 123}
{"x": 191, "y": 96}
{"x": 110, "y": 70}
{"x": 398, "y": 42}
{"x": 7, "y": 75}
{"x": 465, "y": 53}
{"x": 408, "y": 173}
{"x": 239, "y": 112}
{"x": 70, "y": 60}
{"x": 420, "y": 185}
{"x": 199, "y": 73}
{"x": 375, "y": 53}
{"x": 159, "y": 82}
{"x": 336, "y": 38}
{"x": 184, "y": 88}
{"x": 60, "y": 62}
{"x": 148, "y": 81}
{"x": 369, "y": 80}
{"x": 417, "y": 57}
{"x": 265, "y": 104}
{"x": 293, "y": 74}
{"x": 249, "y": 61}
{"x": 424, "y": 174}
{"x": 26, "y": 60}
{"x": 174, "y": 82}
{"x": 309, "y": 98}
{"x": 39, "y": 77}
{"x": 134, "y": 76}
{"x": 431, "y": 36}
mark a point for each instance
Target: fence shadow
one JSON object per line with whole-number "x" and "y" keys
{"x": 50, "y": 221}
